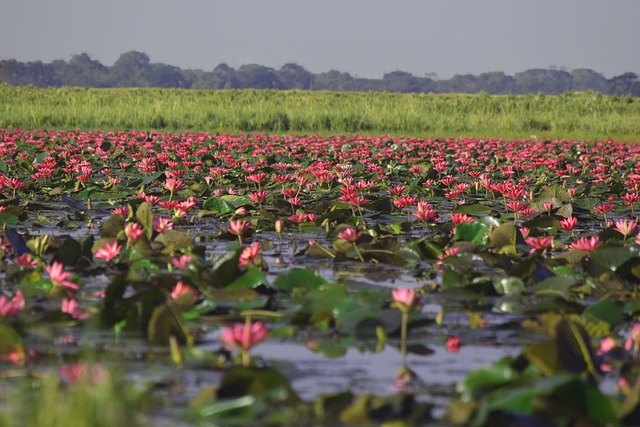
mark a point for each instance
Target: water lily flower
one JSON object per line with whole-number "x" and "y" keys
{"x": 424, "y": 212}
{"x": 405, "y": 298}
{"x": 134, "y": 231}
{"x": 539, "y": 243}
{"x": 108, "y": 252}
{"x": 569, "y": 223}
{"x": 94, "y": 373}
{"x": 11, "y": 307}
{"x": 458, "y": 218}
{"x": 350, "y": 234}
{"x": 181, "y": 262}
{"x": 173, "y": 185}
{"x": 588, "y": 244}
{"x": 453, "y": 344}
{"x": 123, "y": 211}
{"x": 238, "y": 228}
{"x": 180, "y": 289}
{"x": 248, "y": 255}
{"x": 244, "y": 336}
{"x": 161, "y": 223}
{"x": 59, "y": 277}
{"x": 25, "y": 260}
{"x": 626, "y": 227}
{"x": 71, "y": 306}
{"x": 604, "y": 209}
{"x": 259, "y": 197}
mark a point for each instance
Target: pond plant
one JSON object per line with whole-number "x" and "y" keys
{"x": 146, "y": 271}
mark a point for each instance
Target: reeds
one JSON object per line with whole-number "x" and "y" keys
{"x": 578, "y": 115}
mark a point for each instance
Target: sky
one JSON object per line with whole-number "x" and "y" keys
{"x": 366, "y": 38}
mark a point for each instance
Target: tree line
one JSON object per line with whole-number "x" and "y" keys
{"x": 134, "y": 69}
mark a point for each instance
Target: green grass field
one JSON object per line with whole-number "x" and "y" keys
{"x": 582, "y": 115}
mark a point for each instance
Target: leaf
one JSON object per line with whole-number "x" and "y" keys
{"x": 248, "y": 381}
{"x": 166, "y": 322}
{"x": 174, "y": 241}
{"x": 145, "y": 217}
{"x": 298, "y": 278}
{"x": 607, "y": 259}
{"x": 574, "y": 347}
{"x": 216, "y": 204}
{"x": 252, "y": 278}
{"x": 225, "y": 268}
{"x": 476, "y": 232}
{"x": 509, "y": 286}
{"x": 504, "y": 235}
{"x": 482, "y": 381}
{"x": 8, "y": 219}
{"x": 606, "y": 310}
{"x": 555, "y": 285}
{"x": 554, "y": 191}
{"x": 360, "y": 318}
{"x": 68, "y": 253}
{"x": 475, "y": 209}
{"x": 544, "y": 355}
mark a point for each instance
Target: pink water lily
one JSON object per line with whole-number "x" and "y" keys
{"x": 108, "y": 252}
{"x": 11, "y": 307}
{"x": 405, "y": 298}
{"x": 350, "y": 234}
{"x": 59, "y": 277}
{"x": 244, "y": 336}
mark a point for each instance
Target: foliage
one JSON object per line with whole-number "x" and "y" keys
{"x": 571, "y": 115}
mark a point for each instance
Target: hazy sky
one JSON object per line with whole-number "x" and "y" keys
{"x": 366, "y": 38}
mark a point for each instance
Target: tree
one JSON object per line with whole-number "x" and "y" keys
{"x": 624, "y": 84}
{"x": 293, "y": 76}
{"x": 545, "y": 81}
{"x": 258, "y": 77}
{"x": 131, "y": 70}
{"x": 30, "y": 73}
{"x": 163, "y": 75}
{"x": 585, "y": 79}
{"x": 496, "y": 82}
{"x": 400, "y": 81}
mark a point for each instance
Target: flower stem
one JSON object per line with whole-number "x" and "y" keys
{"x": 403, "y": 337}
{"x": 357, "y": 251}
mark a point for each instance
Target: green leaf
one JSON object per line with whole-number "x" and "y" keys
{"x": 476, "y": 209}
{"x": 69, "y": 252}
{"x": 174, "y": 241}
{"x": 504, "y": 235}
{"x": 482, "y": 381}
{"x": 216, "y": 204}
{"x": 7, "y": 218}
{"x": 574, "y": 347}
{"x": 544, "y": 355}
{"x": 252, "y": 278}
{"x": 606, "y": 259}
{"x": 357, "y": 318}
{"x": 476, "y": 232}
{"x": 509, "y": 286}
{"x": 248, "y": 381}
{"x": 225, "y": 268}
{"x": 606, "y": 310}
{"x": 166, "y": 322}
{"x": 298, "y": 278}
{"x": 145, "y": 217}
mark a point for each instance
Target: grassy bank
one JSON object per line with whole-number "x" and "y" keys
{"x": 583, "y": 115}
